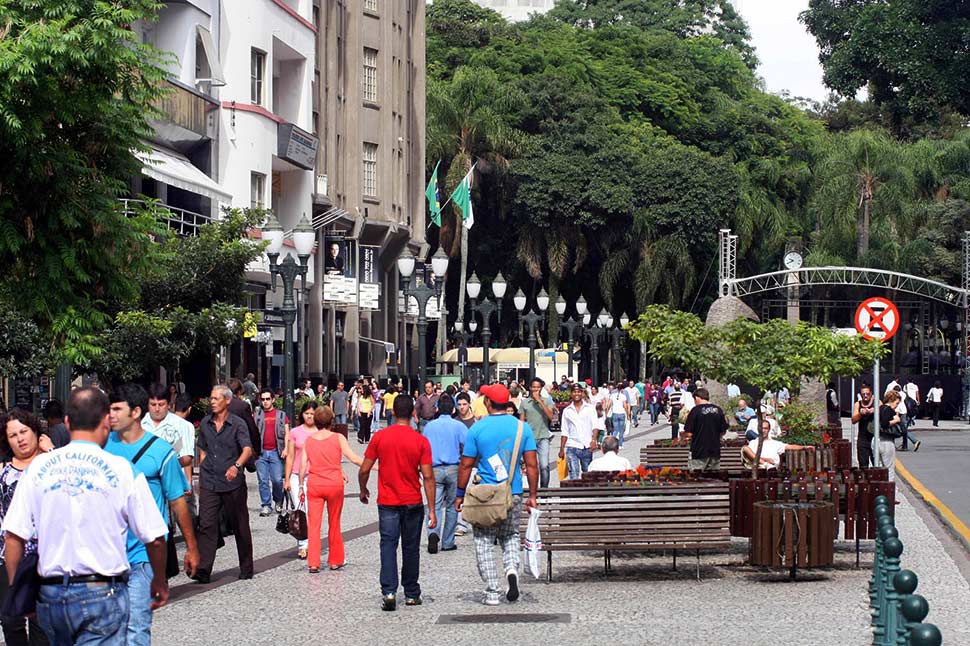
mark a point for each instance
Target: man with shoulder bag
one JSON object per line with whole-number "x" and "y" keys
{"x": 497, "y": 444}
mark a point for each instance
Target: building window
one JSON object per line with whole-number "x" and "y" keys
{"x": 370, "y": 5}
{"x": 257, "y": 74}
{"x": 370, "y": 170}
{"x": 257, "y": 190}
{"x": 369, "y": 78}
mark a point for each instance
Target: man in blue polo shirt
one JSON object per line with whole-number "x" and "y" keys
{"x": 446, "y": 436}
{"x": 155, "y": 458}
{"x": 490, "y": 444}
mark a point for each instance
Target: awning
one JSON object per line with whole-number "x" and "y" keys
{"x": 176, "y": 170}
{"x": 516, "y": 356}
{"x": 216, "y": 77}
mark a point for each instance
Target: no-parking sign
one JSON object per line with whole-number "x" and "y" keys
{"x": 877, "y": 318}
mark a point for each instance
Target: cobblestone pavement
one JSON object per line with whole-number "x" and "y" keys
{"x": 643, "y": 601}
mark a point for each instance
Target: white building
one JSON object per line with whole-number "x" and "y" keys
{"x": 517, "y": 10}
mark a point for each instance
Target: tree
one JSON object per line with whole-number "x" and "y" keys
{"x": 769, "y": 356}
{"x": 863, "y": 177}
{"x": 910, "y": 54}
{"x": 77, "y": 90}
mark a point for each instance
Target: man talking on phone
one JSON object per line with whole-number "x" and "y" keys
{"x": 862, "y": 414}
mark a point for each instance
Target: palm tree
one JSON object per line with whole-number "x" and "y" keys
{"x": 864, "y": 175}
{"x": 468, "y": 120}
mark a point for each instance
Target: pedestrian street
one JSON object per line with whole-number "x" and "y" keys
{"x": 643, "y": 601}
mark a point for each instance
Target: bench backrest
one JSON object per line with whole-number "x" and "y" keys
{"x": 678, "y": 514}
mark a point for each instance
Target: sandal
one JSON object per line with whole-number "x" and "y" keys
{"x": 302, "y": 553}
{"x": 314, "y": 570}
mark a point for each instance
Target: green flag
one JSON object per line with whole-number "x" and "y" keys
{"x": 434, "y": 197}
{"x": 462, "y": 197}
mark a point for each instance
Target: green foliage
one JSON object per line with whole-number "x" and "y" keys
{"x": 77, "y": 90}
{"x": 23, "y": 346}
{"x": 799, "y": 416}
{"x": 910, "y": 55}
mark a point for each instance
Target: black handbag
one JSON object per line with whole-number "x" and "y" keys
{"x": 21, "y": 599}
{"x": 283, "y": 519}
{"x": 298, "y": 524}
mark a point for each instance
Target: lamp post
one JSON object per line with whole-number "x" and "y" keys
{"x": 485, "y": 308}
{"x": 616, "y": 335}
{"x": 571, "y": 325}
{"x": 464, "y": 336}
{"x": 422, "y": 294}
{"x": 596, "y": 332}
{"x": 531, "y": 319}
{"x": 303, "y": 239}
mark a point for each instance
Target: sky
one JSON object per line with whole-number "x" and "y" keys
{"x": 788, "y": 53}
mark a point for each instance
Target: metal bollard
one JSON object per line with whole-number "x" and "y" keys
{"x": 885, "y": 632}
{"x": 925, "y": 635}
{"x": 914, "y": 609}
{"x": 881, "y": 583}
{"x": 882, "y": 520}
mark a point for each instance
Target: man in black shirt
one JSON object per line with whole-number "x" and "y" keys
{"x": 863, "y": 412}
{"x": 705, "y": 425}
{"x": 224, "y": 447}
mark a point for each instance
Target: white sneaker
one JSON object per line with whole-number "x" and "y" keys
{"x": 491, "y": 601}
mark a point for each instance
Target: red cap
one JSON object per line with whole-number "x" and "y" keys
{"x": 589, "y": 382}
{"x": 496, "y": 393}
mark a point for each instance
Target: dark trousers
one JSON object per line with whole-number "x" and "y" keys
{"x": 363, "y": 435}
{"x": 211, "y": 503}
{"x": 935, "y": 412}
{"x": 400, "y": 524}
{"x": 15, "y": 629}
{"x": 863, "y": 450}
{"x": 674, "y": 422}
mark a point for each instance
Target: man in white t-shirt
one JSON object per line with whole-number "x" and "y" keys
{"x": 633, "y": 396}
{"x": 771, "y": 449}
{"x": 610, "y": 460}
{"x": 79, "y": 502}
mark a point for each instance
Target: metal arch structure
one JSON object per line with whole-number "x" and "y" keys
{"x": 811, "y": 276}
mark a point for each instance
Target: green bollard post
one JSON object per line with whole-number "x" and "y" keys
{"x": 882, "y": 500}
{"x": 885, "y": 633}
{"x": 914, "y": 609}
{"x": 925, "y": 635}
{"x": 881, "y": 521}
{"x": 879, "y": 581}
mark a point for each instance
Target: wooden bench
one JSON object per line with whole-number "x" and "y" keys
{"x": 679, "y": 457}
{"x": 682, "y": 517}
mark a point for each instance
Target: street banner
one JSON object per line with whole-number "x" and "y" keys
{"x": 369, "y": 274}
{"x": 340, "y": 270}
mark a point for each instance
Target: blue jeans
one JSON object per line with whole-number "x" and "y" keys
{"x": 340, "y": 418}
{"x": 619, "y": 427}
{"x": 751, "y": 435}
{"x": 635, "y": 414}
{"x": 269, "y": 471}
{"x": 654, "y": 413}
{"x": 140, "y": 600}
{"x": 542, "y": 452}
{"x": 577, "y": 461}
{"x": 84, "y": 613}
{"x": 446, "y": 488}
{"x": 400, "y": 524}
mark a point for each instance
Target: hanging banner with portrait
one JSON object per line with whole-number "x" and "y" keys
{"x": 422, "y": 276}
{"x": 340, "y": 270}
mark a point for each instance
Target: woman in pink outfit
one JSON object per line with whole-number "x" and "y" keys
{"x": 323, "y": 479}
{"x": 295, "y": 439}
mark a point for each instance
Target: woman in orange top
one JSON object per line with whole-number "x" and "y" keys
{"x": 324, "y": 477}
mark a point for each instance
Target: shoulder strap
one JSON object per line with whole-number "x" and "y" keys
{"x": 142, "y": 450}
{"x": 515, "y": 451}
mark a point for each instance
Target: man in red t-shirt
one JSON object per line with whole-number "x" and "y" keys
{"x": 402, "y": 453}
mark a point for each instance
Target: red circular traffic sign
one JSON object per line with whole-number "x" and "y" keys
{"x": 877, "y": 318}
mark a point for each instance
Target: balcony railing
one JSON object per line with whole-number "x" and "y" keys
{"x": 187, "y": 110}
{"x": 182, "y": 221}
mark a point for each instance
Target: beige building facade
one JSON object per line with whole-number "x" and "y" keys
{"x": 369, "y": 111}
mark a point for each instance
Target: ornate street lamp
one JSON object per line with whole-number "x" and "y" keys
{"x": 571, "y": 324}
{"x": 531, "y": 319}
{"x": 304, "y": 238}
{"x": 422, "y": 294}
{"x": 596, "y": 333}
{"x": 474, "y": 287}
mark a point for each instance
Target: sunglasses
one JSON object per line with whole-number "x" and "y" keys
{"x": 266, "y": 399}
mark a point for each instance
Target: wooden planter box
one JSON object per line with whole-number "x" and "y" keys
{"x": 793, "y": 534}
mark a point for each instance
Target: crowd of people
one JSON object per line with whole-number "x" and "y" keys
{"x": 128, "y": 461}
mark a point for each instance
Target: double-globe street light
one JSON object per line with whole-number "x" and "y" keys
{"x": 422, "y": 294}
{"x": 474, "y": 287}
{"x": 616, "y": 335}
{"x": 532, "y": 319}
{"x": 571, "y": 325}
{"x": 597, "y": 332}
{"x": 304, "y": 238}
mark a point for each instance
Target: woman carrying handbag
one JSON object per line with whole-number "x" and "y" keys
{"x": 324, "y": 479}
{"x": 295, "y": 441}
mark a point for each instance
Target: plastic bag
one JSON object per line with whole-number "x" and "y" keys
{"x": 563, "y": 467}
{"x": 533, "y": 542}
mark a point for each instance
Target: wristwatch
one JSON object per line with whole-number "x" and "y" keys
{"x": 237, "y": 465}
